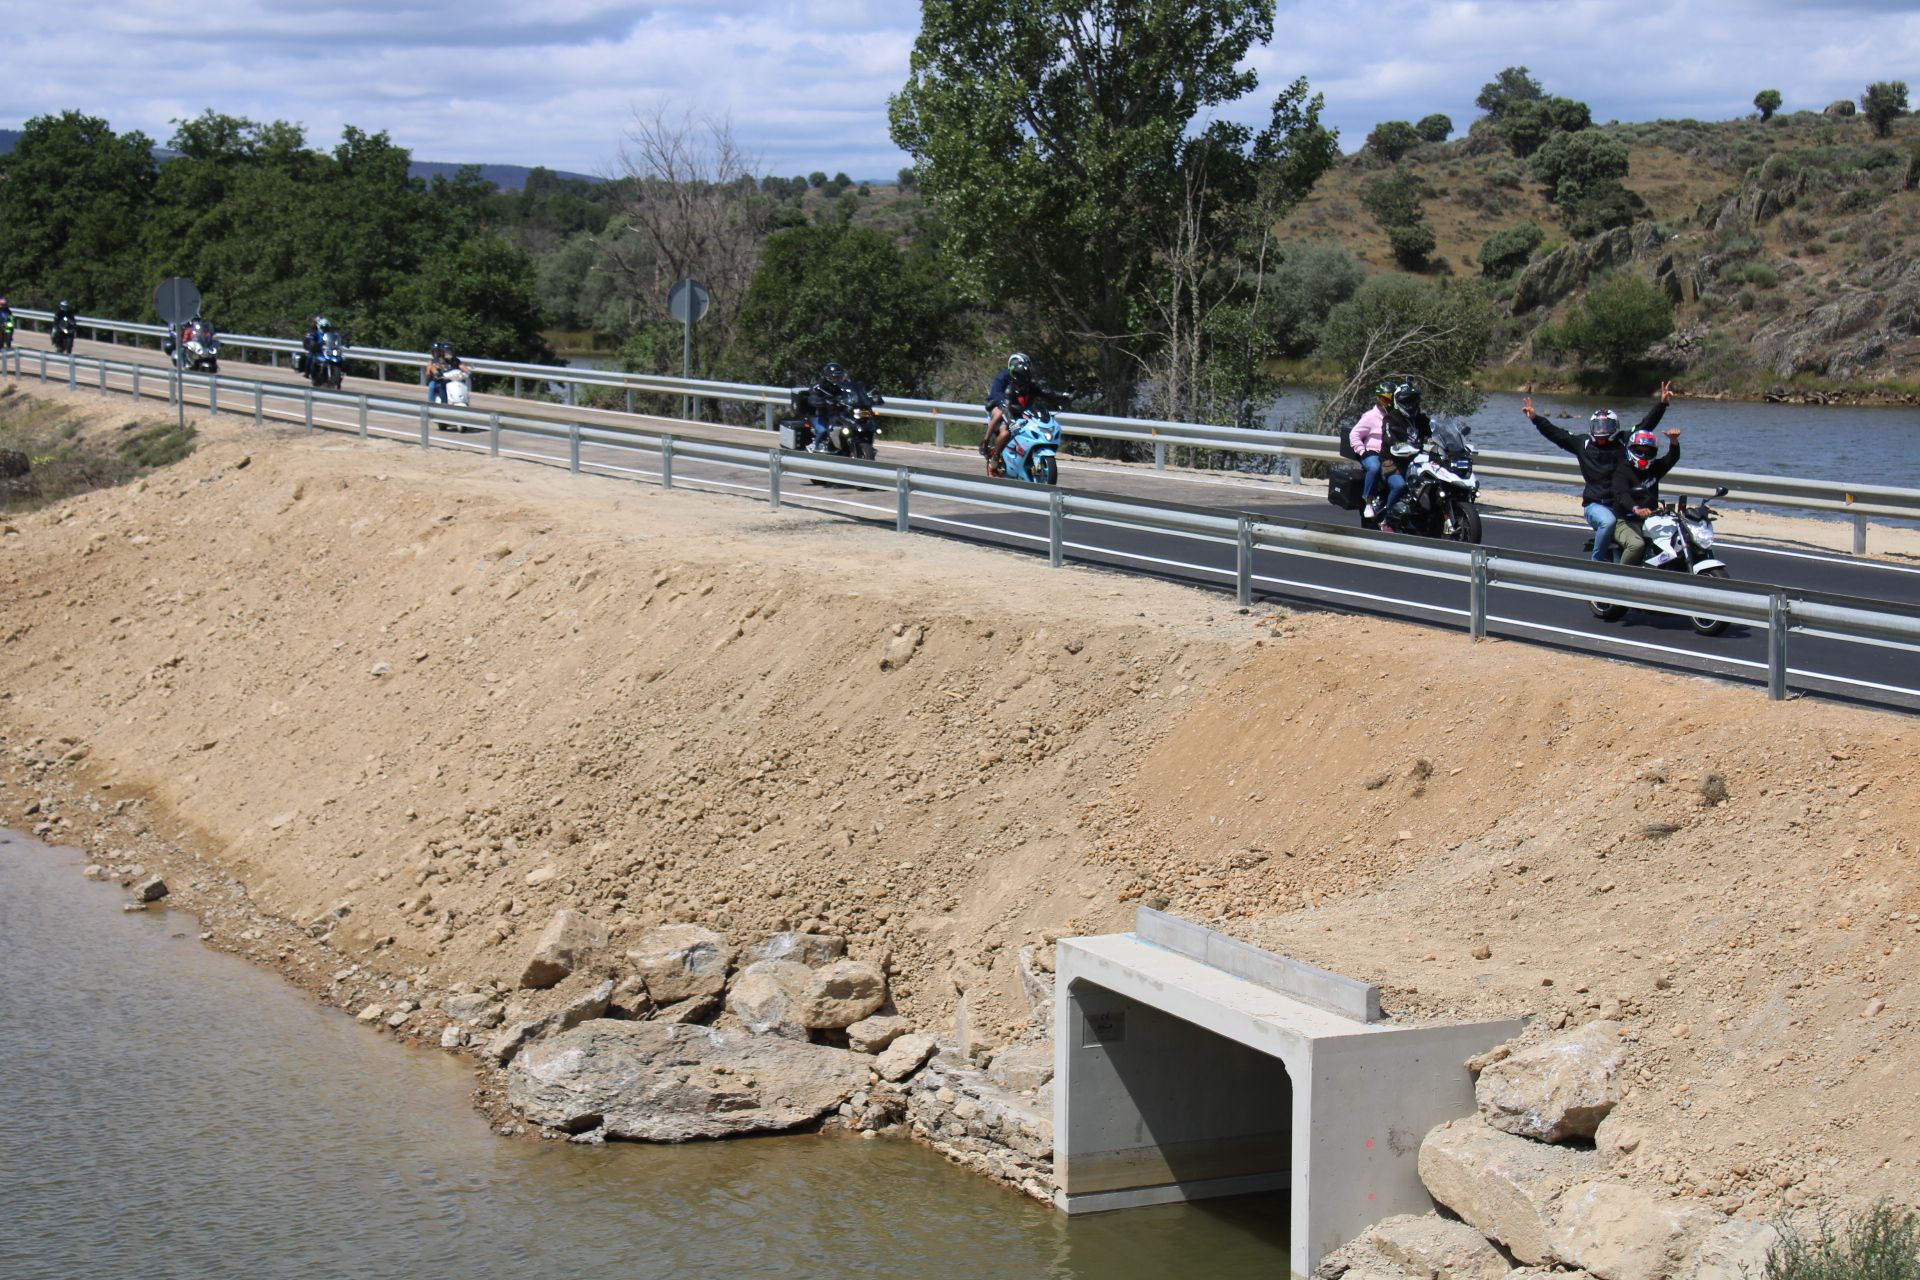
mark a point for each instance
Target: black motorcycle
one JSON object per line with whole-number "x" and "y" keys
{"x": 853, "y": 422}
{"x": 64, "y": 330}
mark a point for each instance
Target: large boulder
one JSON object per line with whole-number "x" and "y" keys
{"x": 1022, "y": 1068}
{"x": 765, "y": 997}
{"x": 1558, "y": 1089}
{"x": 1504, "y": 1186}
{"x": 1436, "y": 1248}
{"x": 1618, "y": 1232}
{"x": 1733, "y": 1250}
{"x": 810, "y": 949}
{"x": 904, "y": 1056}
{"x": 682, "y": 960}
{"x": 656, "y": 1083}
{"x": 841, "y": 994}
{"x": 871, "y": 1035}
{"x": 563, "y": 946}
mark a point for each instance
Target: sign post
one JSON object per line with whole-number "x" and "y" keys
{"x": 178, "y": 301}
{"x": 687, "y": 302}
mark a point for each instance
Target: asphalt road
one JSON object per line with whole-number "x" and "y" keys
{"x": 1872, "y": 674}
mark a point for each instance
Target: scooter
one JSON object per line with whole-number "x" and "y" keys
{"x": 459, "y": 390}
{"x": 1680, "y": 540}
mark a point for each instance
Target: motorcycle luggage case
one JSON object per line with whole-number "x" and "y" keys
{"x": 1343, "y": 485}
{"x": 795, "y": 433}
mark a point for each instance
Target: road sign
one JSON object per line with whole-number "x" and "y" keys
{"x": 177, "y": 300}
{"x": 688, "y": 301}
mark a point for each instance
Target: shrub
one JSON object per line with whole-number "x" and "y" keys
{"x": 1435, "y": 333}
{"x": 1434, "y": 128}
{"x": 1883, "y": 103}
{"x": 1768, "y": 101}
{"x": 1881, "y": 1244}
{"x": 1392, "y": 139}
{"x": 1760, "y": 275}
{"x": 1394, "y": 199}
{"x": 1616, "y": 322}
{"x": 1778, "y": 167}
{"x": 1570, "y": 162}
{"x": 1600, "y": 207}
{"x": 1411, "y": 244}
{"x": 1506, "y": 90}
{"x": 1505, "y": 252}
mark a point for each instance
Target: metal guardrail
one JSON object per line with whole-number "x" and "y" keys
{"x": 1780, "y": 611}
{"x": 1861, "y": 501}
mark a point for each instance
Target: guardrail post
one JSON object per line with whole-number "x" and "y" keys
{"x": 516, "y": 386}
{"x": 309, "y": 410}
{"x": 1777, "y": 646}
{"x": 426, "y": 425}
{"x": 573, "y": 447}
{"x": 493, "y": 435}
{"x": 1056, "y": 519}
{"x": 1159, "y": 455}
{"x": 213, "y": 395}
{"x": 273, "y": 359}
{"x": 774, "y": 462}
{"x": 939, "y": 430}
{"x": 1293, "y": 471}
{"x": 1477, "y": 594}
{"x": 1243, "y": 562}
{"x": 363, "y": 417}
{"x": 902, "y": 487}
{"x": 43, "y": 366}
{"x": 629, "y": 399}
{"x": 259, "y": 403}
{"x": 666, "y": 462}
{"x": 1859, "y": 535}
{"x": 103, "y": 377}
{"x": 136, "y": 378}
{"x": 767, "y": 415}
{"x": 73, "y": 374}
{"x": 569, "y": 393}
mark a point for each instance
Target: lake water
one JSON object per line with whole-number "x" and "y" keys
{"x": 170, "y": 1111}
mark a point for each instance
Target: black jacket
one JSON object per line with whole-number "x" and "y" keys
{"x": 1635, "y": 488}
{"x": 1597, "y": 462}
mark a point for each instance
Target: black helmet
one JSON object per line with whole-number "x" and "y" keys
{"x": 1406, "y": 398}
{"x": 64, "y": 305}
{"x": 1019, "y": 364}
{"x": 1602, "y": 425}
{"x": 833, "y": 371}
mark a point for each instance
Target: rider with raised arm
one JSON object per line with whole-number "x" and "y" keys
{"x": 1636, "y": 490}
{"x": 1599, "y": 455}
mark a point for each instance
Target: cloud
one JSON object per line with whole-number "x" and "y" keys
{"x": 806, "y": 82}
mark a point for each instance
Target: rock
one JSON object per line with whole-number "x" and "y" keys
{"x": 14, "y": 464}
{"x": 563, "y": 946}
{"x": 692, "y": 1010}
{"x": 630, "y": 998}
{"x": 1558, "y": 1089}
{"x": 1735, "y": 1250}
{"x": 151, "y": 889}
{"x": 904, "y": 1056}
{"x": 1618, "y": 1232}
{"x": 468, "y": 1008}
{"x": 509, "y": 1040}
{"x": 765, "y": 996}
{"x": 810, "y": 949}
{"x": 657, "y": 1083}
{"x": 541, "y": 875}
{"x": 1502, "y": 1185}
{"x": 841, "y": 994}
{"x": 1436, "y": 1248}
{"x": 900, "y": 649}
{"x": 682, "y": 960}
{"x": 582, "y": 1008}
{"x": 1022, "y": 1068}
{"x": 1358, "y": 1260}
{"x": 871, "y": 1035}
{"x": 372, "y": 1013}
{"x": 452, "y": 1038}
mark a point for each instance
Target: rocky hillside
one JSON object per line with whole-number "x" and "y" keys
{"x": 1788, "y": 247}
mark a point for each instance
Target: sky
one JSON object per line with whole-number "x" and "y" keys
{"x": 805, "y": 82}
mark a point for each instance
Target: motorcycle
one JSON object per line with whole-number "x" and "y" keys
{"x": 1032, "y": 453}
{"x": 202, "y": 349}
{"x": 853, "y": 423}
{"x": 459, "y": 393}
{"x": 324, "y": 368}
{"x": 1440, "y": 497}
{"x": 6, "y": 331}
{"x": 63, "y": 333}
{"x": 1679, "y": 540}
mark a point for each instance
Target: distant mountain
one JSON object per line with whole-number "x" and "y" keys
{"x": 508, "y": 177}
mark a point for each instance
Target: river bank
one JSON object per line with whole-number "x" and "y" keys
{"x": 1538, "y": 380}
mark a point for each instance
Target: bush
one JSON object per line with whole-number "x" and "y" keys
{"x": 1779, "y": 166}
{"x": 1884, "y": 102}
{"x": 1507, "y": 90}
{"x": 1760, "y": 275}
{"x": 1395, "y": 199}
{"x": 1435, "y": 333}
{"x": 1528, "y": 125}
{"x": 1505, "y": 252}
{"x": 1392, "y": 139}
{"x": 1412, "y": 243}
{"x": 1599, "y": 207}
{"x": 1768, "y": 101}
{"x": 1881, "y": 1244}
{"x": 1616, "y": 322}
{"x": 1571, "y": 162}
{"x": 1434, "y": 128}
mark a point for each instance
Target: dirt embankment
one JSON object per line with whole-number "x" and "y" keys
{"x": 456, "y": 696}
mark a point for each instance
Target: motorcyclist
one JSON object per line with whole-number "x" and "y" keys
{"x": 828, "y": 392}
{"x": 440, "y": 362}
{"x": 315, "y": 339}
{"x": 1636, "y": 490}
{"x": 1599, "y": 455}
{"x": 66, "y": 323}
{"x": 1014, "y": 388}
{"x": 1368, "y": 440}
{"x": 6, "y": 325}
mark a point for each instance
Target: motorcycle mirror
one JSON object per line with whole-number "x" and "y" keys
{"x": 1721, "y": 492}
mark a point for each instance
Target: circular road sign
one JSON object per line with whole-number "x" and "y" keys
{"x": 177, "y": 299}
{"x": 688, "y": 301}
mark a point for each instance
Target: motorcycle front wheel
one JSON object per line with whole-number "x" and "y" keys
{"x": 1607, "y": 612}
{"x": 1049, "y": 471}
{"x": 1464, "y": 522}
{"x": 1709, "y": 626}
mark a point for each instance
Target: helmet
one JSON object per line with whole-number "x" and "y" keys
{"x": 1603, "y": 424}
{"x": 1406, "y": 398}
{"x": 3, "y": 304}
{"x": 1383, "y": 393}
{"x": 322, "y": 323}
{"x": 1642, "y": 446}
{"x": 833, "y": 371}
{"x": 1019, "y": 363}
{"x": 64, "y": 305}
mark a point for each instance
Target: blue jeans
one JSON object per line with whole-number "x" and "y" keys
{"x": 1601, "y": 517}
{"x": 1370, "y": 465}
{"x": 821, "y": 431}
{"x": 436, "y": 391}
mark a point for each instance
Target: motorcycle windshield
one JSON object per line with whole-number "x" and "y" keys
{"x": 1448, "y": 441}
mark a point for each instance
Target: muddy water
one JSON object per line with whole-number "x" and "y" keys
{"x": 169, "y": 1111}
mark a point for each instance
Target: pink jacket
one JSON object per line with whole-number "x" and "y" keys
{"x": 1369, "y": 435}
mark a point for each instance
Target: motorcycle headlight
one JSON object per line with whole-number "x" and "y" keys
{"x": 1703, "y": 534}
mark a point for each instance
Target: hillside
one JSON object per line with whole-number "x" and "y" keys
{"x": 1787, "y": 247}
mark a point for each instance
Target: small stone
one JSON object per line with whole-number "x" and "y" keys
{"x": 1874, "y": 1008}
{"x": 453, "y": 1038}
{"x": 372, "y": 1013}
{"x": 541, "y": 875}
{"x": 872, "y": 1035}
{"x": 563, "y": 946}
{"x": 150, "y": 890}
{"x": 842, "y": 994}
{"x": 380, "y": 669}
{"x": 1483, "y": 952}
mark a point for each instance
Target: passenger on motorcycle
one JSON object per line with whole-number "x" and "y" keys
{"x": 1599, "y": 455}
{"x": 827, "y": 391}
{"x": 1368, "y": 440}
{"x": 1636, "y": 490}
{"x": 440, "y": 362}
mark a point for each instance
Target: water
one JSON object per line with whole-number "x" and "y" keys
{"x": 169, "y": 1111}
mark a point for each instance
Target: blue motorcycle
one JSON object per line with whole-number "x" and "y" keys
{"x": 1032, "y": 453}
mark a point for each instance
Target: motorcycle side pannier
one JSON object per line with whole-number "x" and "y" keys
{"x": 1343, "y": 485}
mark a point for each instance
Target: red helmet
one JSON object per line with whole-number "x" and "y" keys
{"x": 1642, "y": 446}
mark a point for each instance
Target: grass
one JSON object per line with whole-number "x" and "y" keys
{"x": 1881, "y": 1244}
{"x": 67, "y": 458}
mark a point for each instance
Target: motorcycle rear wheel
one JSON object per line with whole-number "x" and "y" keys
{"x": 1607, "y": 612}
{"x": 1709, "y": 626}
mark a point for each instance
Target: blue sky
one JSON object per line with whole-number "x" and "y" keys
{"x": 806, "y": 83}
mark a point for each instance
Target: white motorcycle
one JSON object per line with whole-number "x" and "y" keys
{"x": 1679, "y": 540}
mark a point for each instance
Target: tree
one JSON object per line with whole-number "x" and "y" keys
{"x": 1505, "y": 252}
{"x": 1507, "y": 90}
{"x": 1569, "y": 164}
{"x": 1056, "y": 139}
{"x": 1412, "y": 244}
{"x": 1615, "y": 323}
{"x": 481, "y": 296}
{"x": 1392, "y": 139}
{"x": 1396, "y": 199}
{"x": 1435, "y": 333}
{"x": 71, "y": 193}
{"x": 1768, "y": 101}
{"x": 1434, "y": 128}
{"x": 1599, "y": 207}
{"x": 1884, "y": 102}
{"x": 908, "y": 179}
{"x": 1527, "y": 125}
{"x": 818, "y": 178}
{"x": 1307, "y": 282}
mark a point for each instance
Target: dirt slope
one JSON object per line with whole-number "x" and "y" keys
{"x": 360, "y": 674}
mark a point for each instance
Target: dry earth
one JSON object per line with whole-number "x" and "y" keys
{"x": 454, "y": 697}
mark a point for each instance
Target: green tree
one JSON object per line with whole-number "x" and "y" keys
{"x": 1395, "y": 199}
{"x": 1056, "y": 139}
{"x": 848, "y": 294}
{"x": 72, "y": 195}
{"x": 1505, "y": 252}
{"x": 1614, "y": 324}
{"x": 1392, "y": 139}
{"x": 908, "y": 179}
{"x": 1528, "y": 125}
{"x": 1434, "y": 128}
{"x": 1435, "y": 333}
{"x": 1307, "y": 281}
{"x": 1412, "y": 245}
{"x": 1568, "y": 164}
{"x": 817, "y": 178}
{"x": 480, "y": 295}
{"x": 1884, "y": 102}
{"x": 1768, "y": 101}
{"x": 1507, "y": 90}
{"x": 1598, "y": 207}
